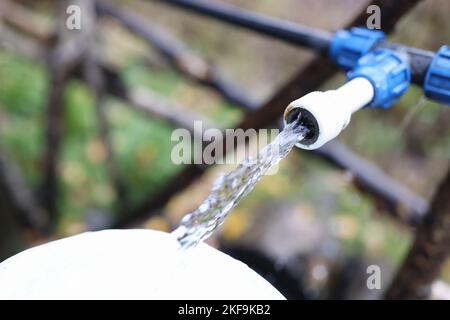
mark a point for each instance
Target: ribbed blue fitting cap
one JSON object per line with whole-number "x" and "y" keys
{"x": 389, "y": 74}
{"x": 437, "y": 80}
{"x": 347, "y": 46}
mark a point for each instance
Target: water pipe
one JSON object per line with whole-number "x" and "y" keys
{"x": 344, "y": 47}
{"x": 377, "y": 80}
{"x": 290, "y": 32}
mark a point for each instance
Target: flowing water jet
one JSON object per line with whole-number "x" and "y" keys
{"x": 229, "y": 189}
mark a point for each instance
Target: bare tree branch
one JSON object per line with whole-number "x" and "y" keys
{"x": 61, "y": 62}
{"x": 20, "y": 198}
{"x": 14, "y": 41}
{"x": 163, "y": 109}
{"x": 19, "y": 211}
{"x": 94, "y": 77}
{"x": 184, "y": 60}
{"x": 16, "y": 17}
{"x": 429, "y": 251}
{"x": 405, "y": 206}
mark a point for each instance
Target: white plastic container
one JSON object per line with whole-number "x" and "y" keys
{"x": 128, "y": 264}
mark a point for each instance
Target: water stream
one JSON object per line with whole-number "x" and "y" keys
{"x": 229, "y": 189}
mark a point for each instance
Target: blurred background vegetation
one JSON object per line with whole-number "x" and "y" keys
{"x": 308, "y": 209}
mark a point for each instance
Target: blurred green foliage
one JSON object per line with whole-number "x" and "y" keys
{"x": 23, "y": 88}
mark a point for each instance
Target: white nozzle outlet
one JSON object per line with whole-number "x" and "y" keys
{"x": 327, "y": 113}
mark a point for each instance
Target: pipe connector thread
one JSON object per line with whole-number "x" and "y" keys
{"x": 437, "y": 79}
{"x": 378, "y": 80}
{"x": 389, "y": 74}
{"x": 347, "y": 46}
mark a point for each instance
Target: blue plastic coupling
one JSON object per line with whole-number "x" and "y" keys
{"x": 437, "y": 80}
{"x": 389, "y": 74}
{"x": 347, "y": 46}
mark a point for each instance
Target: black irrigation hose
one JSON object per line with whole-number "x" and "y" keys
{"x": 419, "y": 60}
{"x": 295, "y": 34}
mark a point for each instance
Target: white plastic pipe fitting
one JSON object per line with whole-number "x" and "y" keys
{"x": 327, "y": 113}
